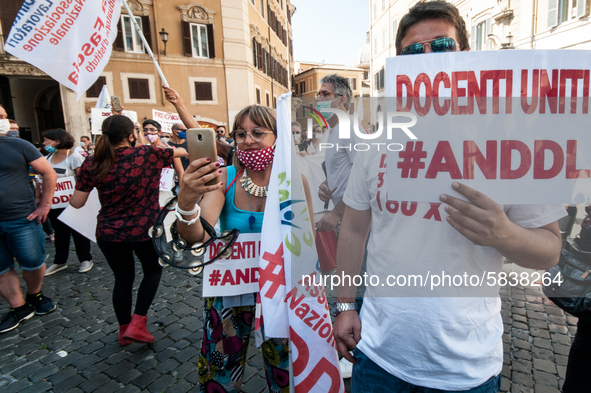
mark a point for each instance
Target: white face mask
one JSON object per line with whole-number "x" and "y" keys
{"x": 318, "y": 135}
{"x": 4, "y": 126}
{"x": 296, "y": 137}
{"x": 164, "y": 139}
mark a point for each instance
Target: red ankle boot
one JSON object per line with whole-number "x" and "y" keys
{"x": 123, "y": 342}
{"x": 137, "y": 331}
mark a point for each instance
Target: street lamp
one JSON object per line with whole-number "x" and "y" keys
{"x": 164, "y": 38}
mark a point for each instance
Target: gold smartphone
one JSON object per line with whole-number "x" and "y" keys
{"x": 201, "y": 144}
{"x": 116, "y": 101}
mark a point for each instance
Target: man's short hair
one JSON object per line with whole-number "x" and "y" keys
{"x": 224, "y": 127}
{"x": 152, "y": 122}
{"x": 12, "y": 121}
{"x": 85, "y": 137}
{"x": 434, "y": 9}
{"x": 340, "y": 86}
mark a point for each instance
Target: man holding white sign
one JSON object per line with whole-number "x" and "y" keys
{"x": 428, "y": 343}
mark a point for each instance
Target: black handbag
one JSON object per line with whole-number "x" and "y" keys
{"x": 570, "y": 281}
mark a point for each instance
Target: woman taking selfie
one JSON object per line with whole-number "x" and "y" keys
{"x": 238, "y": 200}
{"x": 127, "y": 179}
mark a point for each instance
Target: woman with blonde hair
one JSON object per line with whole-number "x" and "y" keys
{"x": 238, "y": 201}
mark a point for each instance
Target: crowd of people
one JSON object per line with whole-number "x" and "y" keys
{"x": 400, "y": 344}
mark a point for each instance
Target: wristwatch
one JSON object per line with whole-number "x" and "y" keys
{"x": 338, "y": 307}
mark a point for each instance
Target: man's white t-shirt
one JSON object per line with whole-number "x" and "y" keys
{"x": 448, "y": 343}
{"x": 339, "y": 161}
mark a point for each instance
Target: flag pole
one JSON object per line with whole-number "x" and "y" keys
{"x": 139, "y": 31}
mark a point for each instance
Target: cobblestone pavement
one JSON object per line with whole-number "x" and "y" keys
{"x": 74, "y": 349}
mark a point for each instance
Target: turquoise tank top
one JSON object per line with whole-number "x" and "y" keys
{"x": 232, "y": 217}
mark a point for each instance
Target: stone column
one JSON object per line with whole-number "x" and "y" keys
{"x": 74, "y": 114}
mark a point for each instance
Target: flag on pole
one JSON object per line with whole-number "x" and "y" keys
{"x": 71, "y": 40}
{"x": 287, "y": 253}
{"x": 104, "y": 99}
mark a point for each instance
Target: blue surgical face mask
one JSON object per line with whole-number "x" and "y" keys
{"x": 82, "y": 144}
{"x": 183, "y": 134}
{"x": 13, "y": 133}
{"x": 50, "y": 149}
{"x": 320, "y": 105}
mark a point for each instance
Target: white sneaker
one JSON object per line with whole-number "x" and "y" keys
{"x": 346, "y": 368}
{"x": 85, "y": 266}
{"x": 55, "y": 268}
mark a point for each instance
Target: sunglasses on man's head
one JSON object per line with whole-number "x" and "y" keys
{"x": 444, "y": 44}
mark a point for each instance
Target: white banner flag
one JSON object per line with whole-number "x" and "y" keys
{"x": 98, "y": 115}
{"x": 287, "y": 251}
{"x": 104, "y": 99}
{"x": 69, "y": 40}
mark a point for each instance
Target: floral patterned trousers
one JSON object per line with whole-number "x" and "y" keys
{"x": 226, "y": 333}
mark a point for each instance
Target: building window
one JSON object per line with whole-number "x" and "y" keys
{"x": 351, "y": 108}
{"x": 131, "y": 38}
{"x": 375, "y": 10}
{"x": 199, "y": 40}
{"x": 383, "y": 38}
{"x": 352, "y": 83}
{"x": 263, "y": 8}
{"x": 303, "y": 86}
{"x": 267, "y": 100}
{"x": 258, "y": 93}
{"x": 375, "y": 45}
{"x": 479, "y": 36}
{"x": 95, "y": 90}
{"x": 139, "y": 88}
{"x": 274, "y": 102}
{"x": 560, "y": 11}
{"x": 394, "y": 28}
{"x": 378, "y": 79}
{"x": 203, "y": 91}
{"x": 383, "y": 5}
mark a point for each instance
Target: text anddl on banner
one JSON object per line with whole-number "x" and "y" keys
{"x": 512, "y": 125}
{"x": 239, "y": 273}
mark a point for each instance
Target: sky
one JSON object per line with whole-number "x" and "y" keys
{"x": 329, "y": 31}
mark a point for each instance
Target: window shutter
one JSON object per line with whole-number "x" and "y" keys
{"x": 382, "y": 78}
{"x": 582, "y": 8}
{"x": 187, "y": 44}
{"x": 254, "y": 52}
{"x": 203, "y": 91}
{"x": 260, "y": 55}
{"x": 354, "y": 83}
{"x": 473, "y": 38}
{"x": 210, "y": 42}
{"x": 552, "y": 13}
{"x": 118, "y": 45}
{"x": 488, "y": 31}
{"x": 351, "y": 108}
{"x": 147, "y": 31}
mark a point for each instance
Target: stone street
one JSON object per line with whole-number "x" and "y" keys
{"x": 74, "y": 349}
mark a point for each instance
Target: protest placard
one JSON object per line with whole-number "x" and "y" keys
{"x": 166, "y": 179}
{"x": 64, "y": 188}
{"x": 69, "y": 40}
{"x": 511, "y": 124}
{"x": 98, "y": 115}
{"x": 239, "y": 273}
{"x": 166, "y": 119}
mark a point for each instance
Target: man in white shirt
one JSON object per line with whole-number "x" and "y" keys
{"x": 431, "y": 344}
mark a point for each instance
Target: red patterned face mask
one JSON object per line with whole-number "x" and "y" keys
{"x": 256, "y": 160}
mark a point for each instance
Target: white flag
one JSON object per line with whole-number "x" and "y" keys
{"x": 288, "y": 252}
{"x": 104, "y": 99}
{"x": 69, "y": 40}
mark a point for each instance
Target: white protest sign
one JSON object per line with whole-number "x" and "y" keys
{"x": 239, "y": 273}
{"x": 166, "y": 119}
{"x": 98, "y": 115}
{"x": 166, "y": 179}
{"x": 70, "y": 40}
{"x": 519, "y": 150}
{"x": 83, "y": 220}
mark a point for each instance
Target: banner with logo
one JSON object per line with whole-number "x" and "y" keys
{"x": 70, "y": 40}
{"x": 166, "y": 119}
{"x": 98, "y": 115}
{"x": 287, "y": 250}
{"x": 513, "y": 125}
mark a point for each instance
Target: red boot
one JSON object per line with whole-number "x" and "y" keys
{"x": 123, "y": 342}
{"x": 137, "y": 331}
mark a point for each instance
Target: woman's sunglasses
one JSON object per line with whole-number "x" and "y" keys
{"x": 444, "y": 44}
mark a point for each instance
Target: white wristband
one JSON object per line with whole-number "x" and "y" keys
{"x": 180, "y": 213}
